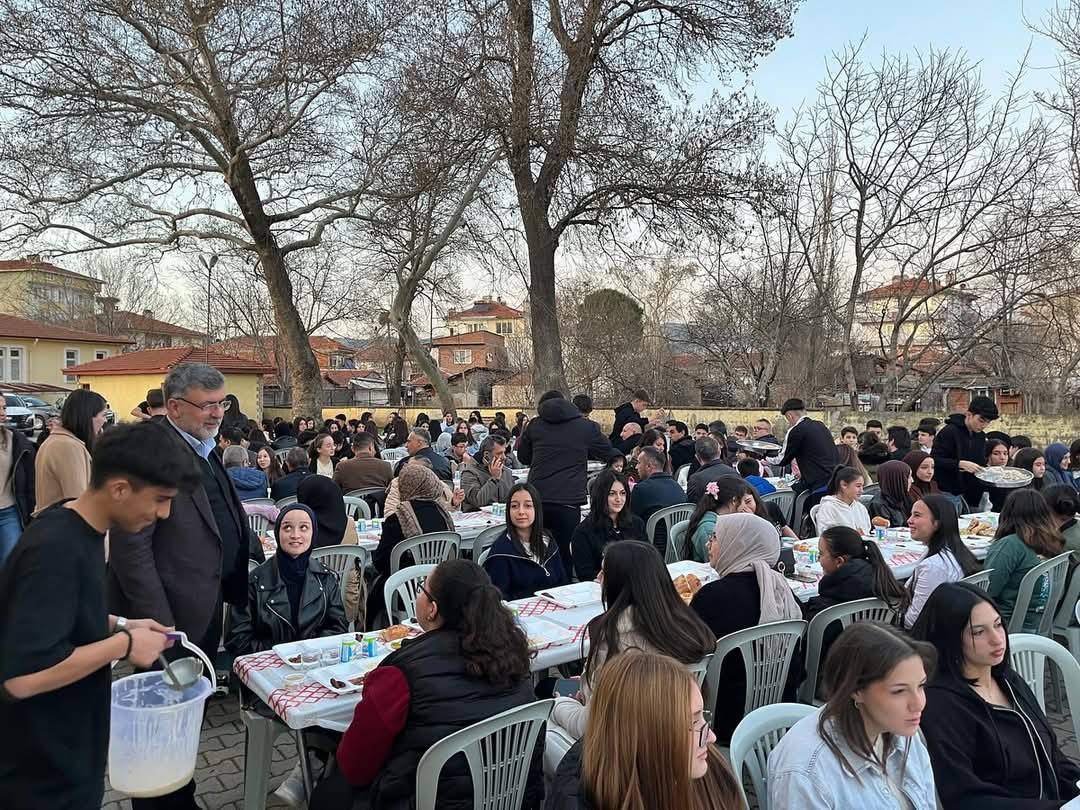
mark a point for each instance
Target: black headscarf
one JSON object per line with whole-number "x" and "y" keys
{"x": 325, "y": 499}
{"x": 293, "y": 570}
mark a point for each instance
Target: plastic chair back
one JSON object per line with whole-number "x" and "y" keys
{"x": 676, "y": 542}
{"x": 426, "y": 549}
{"x": 485, "y": 540}
{"x": 813, "y": 518}
{"x": 669, "y": 516}
{"x": 1028, "y": 653}
{"x": 374, "y": 497}
{"x": 682, "y": 476}
{"x": 259, "y": 502}
{"x": 285, "y": 501}
{"x": 281, "y": 454}
{"x": 860, "y": 610}
{"x": 258, "y": 523}
{"x": 755, "y": 738}
{"x": 340, "y": 559}
{"x": 766, "y": 652}
{"x": 394, "y": 454}
{"x": 1067, "y": 606}
{"x": 798, "y": 512}
{"x": 405, "y": 584}
{"x": 1056, "y": 568}
{"x": 499, "y": 752}
{"x": 701, "y": 668}
{"x": 356, "y": 508}
{"x": 785, "y": 499}
{"x": 980, "y": 579}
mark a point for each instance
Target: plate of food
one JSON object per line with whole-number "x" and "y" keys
{"x": 758, "y": 447}
{"x": 688, "y": 585}
{"x": 398, "y": 632}
{"x": 292, "y": 652}
{"x": 978, "y": 528}
{"x": 1005, "y": 477}
{"x": 543, "y": 633}
{"x": 348, "y": 677}
{"x": 575, "y": 595}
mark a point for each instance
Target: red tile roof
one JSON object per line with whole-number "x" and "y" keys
{"x": 481, "y": 337}
{"x": 485, "y": 309}
{"x": 36, "y": 263}
{"x": 154, "y": 361}
{"x": 12, "y": 327}
{"x": 124, "y": 321}
{"x": 902, "y": 286}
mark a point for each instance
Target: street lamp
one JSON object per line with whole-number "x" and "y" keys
{"x": 209, "y": 265}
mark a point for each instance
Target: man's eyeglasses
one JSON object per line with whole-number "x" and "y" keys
{"x": 207, "y": 407}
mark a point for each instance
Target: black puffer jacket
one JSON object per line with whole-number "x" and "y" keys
{"x": 881, "y": 505}
{"x": 444, "y": 699}
{"x": 852, "y": 580}
{"x": 955, "y": 443}
{"x": 566, "y": 792}
{"x": 556, "y": 446}
{"x": 265, "y": 619}
{"x": 22, "y": 475}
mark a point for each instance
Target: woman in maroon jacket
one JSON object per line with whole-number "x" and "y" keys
{"x": 471, "y": 663}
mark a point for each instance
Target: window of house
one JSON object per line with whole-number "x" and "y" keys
{"x": 71, "y": 358}
{"x": 504, "y": 328}
{"x": 473, "y": 327}
{"x": 462, "y": 357}
{"x": 101, "y": 354}
{"x": 14, "y": 365}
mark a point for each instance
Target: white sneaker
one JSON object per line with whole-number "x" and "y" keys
{"x": 291, "y": 790}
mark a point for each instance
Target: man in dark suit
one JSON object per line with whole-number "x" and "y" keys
{"x": 296, "y": 466}
{"x": 712, "y": 468}
{"x": 655, "y": 491}
{"x": 178, "y": 570}
{"x": 811, "y": 444}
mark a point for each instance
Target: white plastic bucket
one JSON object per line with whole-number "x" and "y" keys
{"x": 154, "y": 738}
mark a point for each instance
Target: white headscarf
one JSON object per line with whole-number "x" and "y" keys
{"x": 750, "y": 543}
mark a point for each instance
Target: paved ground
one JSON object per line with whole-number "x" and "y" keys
{"x": 220, "y": 770}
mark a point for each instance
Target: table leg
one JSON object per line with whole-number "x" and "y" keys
{"x": 258, "y": 749}
{"x": 305, "y": 766}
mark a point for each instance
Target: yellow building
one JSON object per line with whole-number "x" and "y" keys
{"x": 36, "y": 352}
{"x": 923, "y": 304}
{"x": 489, "y": 314}
{"x": 124, "y": 379}
{"x": 33, "y": 288}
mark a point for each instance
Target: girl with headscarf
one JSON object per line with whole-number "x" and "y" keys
{"x": 1057, "y": 465}
{"x": 892, "y": 502}
{"x": 922, "y": 475}
{"x": 418, "y": 512}
{"x": 743, "y": 550}
{"x": 335, "y": 528}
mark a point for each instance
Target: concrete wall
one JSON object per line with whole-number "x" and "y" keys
{"x": 125, "y": 391}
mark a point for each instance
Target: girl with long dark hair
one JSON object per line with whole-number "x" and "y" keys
{"x": 608, "y": 521}
{"x": 62, "y": 464}
{"x": 841, "y": 506}
{"x": 728, "y": 495}
{"x": 990, "y": 743}
{"x": 1032, "y": 460}
{"x": 321, "y": 454}
{"x": 1027, "y": 533}
{"x": 854, "y": 569}
{"x": 471, "y": 663}
{"x": 862, "y": 749}
{"x": 642, "y": 611}
{"x": 525, "y": 559}
{"x": 947, "y": 559}
{"x": 267, "y": 461}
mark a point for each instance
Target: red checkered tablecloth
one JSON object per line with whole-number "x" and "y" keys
{"x": 537, "y": 607}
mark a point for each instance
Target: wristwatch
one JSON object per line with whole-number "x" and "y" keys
{"x": 121, "y": 624}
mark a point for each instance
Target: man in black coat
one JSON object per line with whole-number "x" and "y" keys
{"x": 630, "y": 412}
{"x": 712, "y": 468}
{"x": 296, "y": 466}
{"x": 808, "y": 442}
{"x": 419, "y": 445}
{"x": 655, "y": 491}
{"x": 681, "y": 446}
{"x": 960, "y": 450}
{"x": 556, "y": 446}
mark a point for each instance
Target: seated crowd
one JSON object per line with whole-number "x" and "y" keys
{"x": 922, "y": 711}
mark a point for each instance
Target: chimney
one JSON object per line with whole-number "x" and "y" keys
{"x": 148, "y": 313}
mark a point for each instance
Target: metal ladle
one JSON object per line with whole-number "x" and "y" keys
{"x": 185, "y": 672}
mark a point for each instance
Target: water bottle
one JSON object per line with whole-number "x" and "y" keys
{"x": 984, "y": 503}
{"x": 1044, "y": 589}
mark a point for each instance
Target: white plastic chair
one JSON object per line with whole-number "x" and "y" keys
{"x": 259, "y": 502}
{"x": 1064, "y": 626}
{"x": 1028, "y": 653}
{"x": 980, "y": 579}
{"x": 374, "y": 497}
{"x": 357, "y": 508}
{"x": 813, "y": 517}
{"x": 393, "y": 455}
{"x": 798, "y": 517}
{"x": 281, "y": 454}
{"x": 676, "y": 542}
{"x": 341, "y": 558}
{"x": 426, "y": 549}
{"x": 783, "y": 498}
{"x": 766, "y": 653}
{"x": 755, "y": 738}
{"x": 285, "y": 501}
{"x": 405, "y": 584}
{"x": 1056, "y": 568}
{"x": 860, "y": 610}
{"x": 669, "y": 515}
{"x": 700, "y": 669}
{"x": 258, "y": 523}
{"x": 499, "y": 752}
{"x": 682, "y": 476}
{"x": 485, "y": 540}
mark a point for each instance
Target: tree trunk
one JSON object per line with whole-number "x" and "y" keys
{"x": 397, "y": 371}
{"x": 400, "y": 311}
{"x": 548, "y": 370}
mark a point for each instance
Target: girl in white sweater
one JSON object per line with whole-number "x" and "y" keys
{"x": 841, "y": 507}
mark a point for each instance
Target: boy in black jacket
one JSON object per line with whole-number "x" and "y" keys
{"x": 960, "y": 450}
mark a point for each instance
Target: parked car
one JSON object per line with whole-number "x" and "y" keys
{"x": 41, "y": 409}
{"x": 19, "y": 417}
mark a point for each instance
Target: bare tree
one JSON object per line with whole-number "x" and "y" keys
{"x": 255, "y": 126}
{"x": 591, "y": 102}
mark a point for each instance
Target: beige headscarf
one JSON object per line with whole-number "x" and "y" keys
{"x": 417, "y": 483}
{"x": 750, "y": 543}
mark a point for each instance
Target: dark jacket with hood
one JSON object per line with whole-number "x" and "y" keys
{"x": 852, "y": 580}
{"x": 955, "y": 443}
{"x": 589, "y": 540}
{"x": 991, "y": 758}
{"x": 21, "y": 475}
{"x": 881, "y": 505}
{"x": 681, "y": 452}
{"x": 249, "y": 482}
{"x": 518, "y": 576}
{"x": 556, "y": 447}
{"x": 873, "y": 457}
{"x": 566, "y": 792}
{"x": 624, "y": 414}
{"x": 265, "y": 620}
